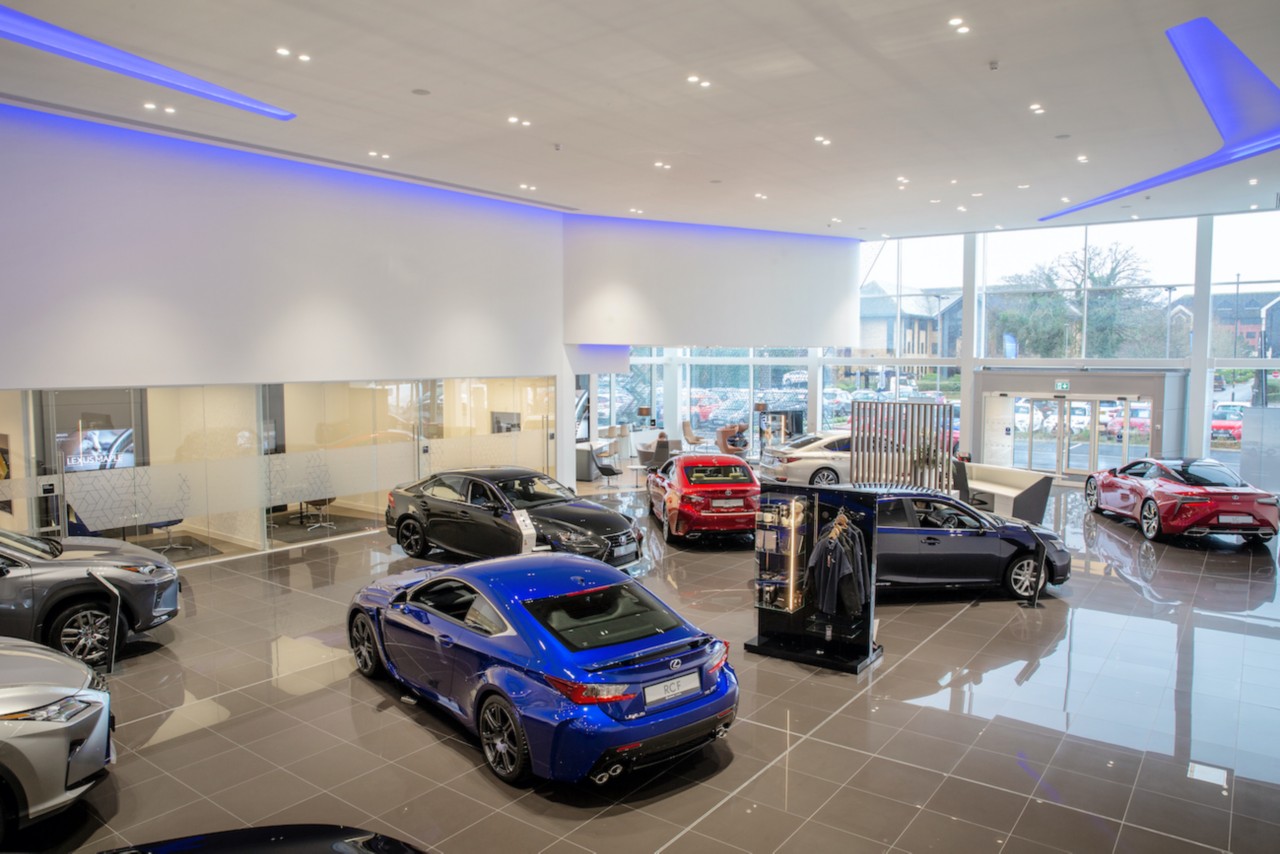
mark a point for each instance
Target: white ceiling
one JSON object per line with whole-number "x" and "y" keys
{"x": 603, "y": 82}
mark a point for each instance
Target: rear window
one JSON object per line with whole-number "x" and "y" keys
{"x": 1205, "y": 474}
{"x": 603, "y": 617}
{"x": 801, "y": 441}
{"x": 718, "y": 474}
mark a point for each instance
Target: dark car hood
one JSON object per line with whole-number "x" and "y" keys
{"x": 277, "y": 839}
{"x": 98, "y": 550}
{"x": 586, "y": 515}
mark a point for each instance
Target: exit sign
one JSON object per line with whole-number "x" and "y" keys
{"x": 1062, "y": 385}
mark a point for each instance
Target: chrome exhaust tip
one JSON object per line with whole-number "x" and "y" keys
{"x": 615, "y": 770}
{"x": 601, "y": 778}
{"x": 723, "y": 732}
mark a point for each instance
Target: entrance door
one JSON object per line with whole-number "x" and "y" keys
{"x": 1044, "y": 436}
{"x": 1080, "y": 436}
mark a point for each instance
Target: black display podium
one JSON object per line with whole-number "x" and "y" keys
{"x": 815, "y": 576}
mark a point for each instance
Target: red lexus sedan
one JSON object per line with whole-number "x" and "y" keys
{"x": 695, "y": 494}
{"x": 1190, "y": 496}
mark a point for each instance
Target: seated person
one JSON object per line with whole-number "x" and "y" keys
{"x": 738, "y": 438}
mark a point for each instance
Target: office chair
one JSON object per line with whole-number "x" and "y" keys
{"x": 605, "y": 469}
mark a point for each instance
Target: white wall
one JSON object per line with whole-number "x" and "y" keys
{"x": 137, "y": 260}
{"x": 652, "y": 283}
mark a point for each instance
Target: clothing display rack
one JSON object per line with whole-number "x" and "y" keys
{"x": 815, "y": 576}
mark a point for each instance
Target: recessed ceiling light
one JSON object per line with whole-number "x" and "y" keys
{"x": 975, "y": 195}
{"x": 513, "y": 119}
{"x": 693, "y": 78}
{"x": 524, "y": 186}
{"x": 385, "y": 156}
{"x": 955, "y": 22}
{"x": 902, "y": 180}
{"x": 148, "y": 106}
{"x": 373, "y": 154}
{"x": 1133, "y": 216}
{"x": 1253, "y": 182}
{"x": 1083, "y": 158}
{"x": 818, "y": 138}
{"x": 884, "y": 235}
{"x": 526, "y": 123}
{"x": 761, "y": 196}
{"x": 935, "y": 201}
{"x": 302, "y": 57}
{"x": 999, "y": 227}
{"x": 705, "y": 83}
{"x": 962, "y": 30}
{"x": 283, "y": 51}
{"x": 1253, "y": 207}
{"x": 1024, "y": 186}
{"x": 1035, "y": 107}
{"x": 170, "y": 110}
{"x": 836, "y": 219}
{"x": 1065, "y": 200}
{"x": 954, "y": 181}
{"x": 961, "y": 208}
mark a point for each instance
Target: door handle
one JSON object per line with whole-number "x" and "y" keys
{"x": 445, "y": 641}
{"x": 931, "y": 541}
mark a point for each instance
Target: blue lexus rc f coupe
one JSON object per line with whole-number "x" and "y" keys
{"x": 565, "y": 667}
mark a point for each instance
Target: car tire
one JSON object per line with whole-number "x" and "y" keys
{"x": 1149, "y": 520}
{"x": 412, "y": 537}
{"x": 78, "y": 630}
{"x": 824, "y": 477}
{"x": 668, "y": 533}
{"x": 506, "y": 751}
{"x": 364, "y": 646}
{"x": 1256, "y": 539}
{"x": 1091, "y": 495}
{"x": 8, "y": 814}
{"x": 1019, "y": 577}
{"x": 653, "y": 511}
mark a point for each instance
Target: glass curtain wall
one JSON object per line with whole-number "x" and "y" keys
{"x": 202, "y": 471}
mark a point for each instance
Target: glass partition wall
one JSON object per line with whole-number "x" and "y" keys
{"x": 202, "y": 471}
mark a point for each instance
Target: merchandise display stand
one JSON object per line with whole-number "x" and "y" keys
{"x": 815, "y": 576}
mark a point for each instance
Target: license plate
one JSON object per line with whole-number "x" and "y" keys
{"x": 627, "y": 549}
{"x": 727, "y": 502}
{"x": 687, "y": 684}
{"x": 1232, "y": 519}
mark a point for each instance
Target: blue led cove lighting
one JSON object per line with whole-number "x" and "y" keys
{"x": 33, "y": 32}
{"x": 1242, "y": 101}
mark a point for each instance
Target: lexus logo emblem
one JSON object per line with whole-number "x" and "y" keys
{"x": 728, "y": 492}
{"x": 675, "y": 664}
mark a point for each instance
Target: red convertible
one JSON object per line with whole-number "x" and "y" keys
{"x": 695, "y": 494}
{"x": 1190, "y": 496}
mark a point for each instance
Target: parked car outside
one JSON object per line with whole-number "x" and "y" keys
{"x": 55, "y": 732}
{"x": 565, "y": 667}
{"x": 1227, "y": 424}
{"x": 1189, "y": 496}
{"x": 927, "y": 538}
{"x": 1138, "y": 425}
{"x": 696, "y": 494}
{"x": 818, "y": 458}
{"x": 1026, "y": 417}
{"x": 47, "y": 594}
{"x": 476, "y": 513}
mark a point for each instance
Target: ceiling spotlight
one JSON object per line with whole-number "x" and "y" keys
{"x": 961, "y": 208}
{"x": 283, "y": 51}
{"x": 1253, "y": 182}
{"x": 526, "y": 123}
{"x": 1065, "y": 200}
{"x": 302, "y": 57}
{"x": 836, "y": 219}
{"x": 148, "y": 106}
{"x": 761, "y": 196}
{"x": 999, "y": 227}
{"x": 658, "y": 163}
{"x": 705, "y": 83}
{"x": 1035, "y": 107}
{"x": 1133, "y": 216}
{"x": 826, "y": 142}
{"x": 170, "y": 110}
{"x": 902, "y": 186}
{"x": 935, "y": 201}
{"x": 373, "y": 154}
{"x": 955, "y": 22}
{"x": 819, "y": 138}
{"x": 884, "y": 235}
{"x": 954, "y": 181}
{"x": 1083, "y": 158}
{"x": 975, "y": 195}
{"x": 385, "y": 156}
{"x": 962, "y": 30}
{"x": 513, "y": 119}
{"x": 902, "y": 180}
{"x": 1024, "y": 186}
{"x": 1253, "y": 207}
{"x": 692, "y": 78}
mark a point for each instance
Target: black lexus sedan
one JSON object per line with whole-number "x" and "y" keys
{"x": 488, "y": 512}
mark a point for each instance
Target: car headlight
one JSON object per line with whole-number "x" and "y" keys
{"x": 142, "y": 568}
{"x": 59, "y": 712}
{"x": 570, "y": 537}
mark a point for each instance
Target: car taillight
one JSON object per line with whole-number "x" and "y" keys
{"x": 791, "y": 459}
{"x": 589, "y": 694}
{"x": 391, "y": 499}
{"x": 698, "y": 500}
{"x": 1269, "y": 499}
{"x": 720, "y": 657}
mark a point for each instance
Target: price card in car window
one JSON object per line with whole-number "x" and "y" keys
{"x": 528, "y": 533}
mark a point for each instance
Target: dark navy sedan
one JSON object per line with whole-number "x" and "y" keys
{"x": 927, "y": 538}
{"x": 565, "y": 667}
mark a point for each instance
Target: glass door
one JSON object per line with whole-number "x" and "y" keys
{"x": 1080, "y": 437}
{"x": 1044, "y": 435}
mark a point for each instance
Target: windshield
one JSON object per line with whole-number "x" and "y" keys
{"x": 534, "y": 490}
{"x": 718, "y": 474}
{"x": 603, "y": 616}
{"x": 1206, "y": 474}
{"x": 30, "y": 546}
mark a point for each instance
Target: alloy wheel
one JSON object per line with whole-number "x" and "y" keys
{"x": 500, "y": 740}
{"x": 410, "y": 538}
{"x": 825, "y": 477}
{"x": 362, "y": 645}
{"x": 1150, "y": 520}
{"x": 1091, "y": 494}
{"x": 86, "y": 636}
{"x": 1022, "y": 577}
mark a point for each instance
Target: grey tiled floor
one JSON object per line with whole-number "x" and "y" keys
{"x": 1137, "y": 710}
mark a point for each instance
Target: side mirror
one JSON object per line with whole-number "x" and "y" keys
{"x": 1111, "y": 471}
{"x": 493, "y": 507}
{"x": 400, "y": 598}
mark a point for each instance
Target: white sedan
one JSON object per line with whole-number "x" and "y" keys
{"x": 819, "y": 458}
